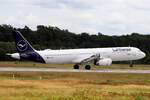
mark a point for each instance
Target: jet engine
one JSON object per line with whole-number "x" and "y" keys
{"x": 104, "y": 62}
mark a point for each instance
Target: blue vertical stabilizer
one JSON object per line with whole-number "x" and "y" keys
{"x": 25, "y": 50}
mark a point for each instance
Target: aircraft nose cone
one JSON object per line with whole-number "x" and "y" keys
{"x": 143, "y": 54}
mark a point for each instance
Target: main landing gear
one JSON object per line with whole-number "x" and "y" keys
{"x": 87, "y": 67}
{"x": 76, "y": 66}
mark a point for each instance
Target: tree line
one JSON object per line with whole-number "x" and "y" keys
{"x": 55, "y": 38}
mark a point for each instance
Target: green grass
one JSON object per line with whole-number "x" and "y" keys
{"x": 63, "y": 94}
{"x": 73, "y": 86}
{"x": 91, "y": 78}
{"x": 38, "y": 65}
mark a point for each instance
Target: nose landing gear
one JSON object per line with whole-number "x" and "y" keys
{"x": 131, "y": 63}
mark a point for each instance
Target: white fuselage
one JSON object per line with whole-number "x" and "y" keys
{"x": 77, "y": 55}
{"x": 96, "y": 56}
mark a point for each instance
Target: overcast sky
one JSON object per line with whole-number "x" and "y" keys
{"x": 110, "y": 17}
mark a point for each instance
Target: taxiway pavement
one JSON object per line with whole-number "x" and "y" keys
{"x": 72, "y": 70}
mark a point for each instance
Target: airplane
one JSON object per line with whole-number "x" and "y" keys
{"x": 96, "y": 56}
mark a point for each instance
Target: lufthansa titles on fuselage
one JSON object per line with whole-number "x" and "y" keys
{"x": 121, "y": 49}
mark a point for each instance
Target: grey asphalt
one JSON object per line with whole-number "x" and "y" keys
{"x": 72, "y": 70}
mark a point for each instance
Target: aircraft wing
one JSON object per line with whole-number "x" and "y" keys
{"x": 88, "y": 59}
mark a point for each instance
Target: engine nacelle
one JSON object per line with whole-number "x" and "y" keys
{"x": 104, "y": 62}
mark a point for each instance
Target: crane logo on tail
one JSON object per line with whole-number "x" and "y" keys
{"x": 22, "y": 45}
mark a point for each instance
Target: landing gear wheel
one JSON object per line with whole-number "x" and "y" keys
{"x": 87, "y": 67}
{"x": 76, "y": 66}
